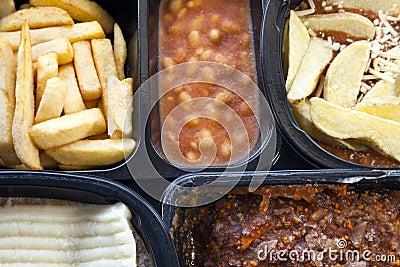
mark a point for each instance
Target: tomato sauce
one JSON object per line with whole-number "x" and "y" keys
{"x": 218, "y": 31}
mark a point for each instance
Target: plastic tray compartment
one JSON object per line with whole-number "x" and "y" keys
{"x": 125, "y": 13}
{"x": 274, "y": 66}
{"x": 86, "y": 189}
{"x": 149, "y": 66}
{"x": 180, "y": 219}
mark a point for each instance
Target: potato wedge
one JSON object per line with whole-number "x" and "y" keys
{"x": 343, "y": 78}
{"x": 53, "y": 99}
{"x": 37, "y": 17}
{"x": 383, "y": 107}
{"x": 68, "y": 128}
{"x": 392, "y": 6}
{"x": 120, "y": 51}
{"x": 103, "y": 56}
{"x": 25, "y": 6}
{"x": 381, "y": 88}
{"x": 120, "y": 107}
{"x": 26, "y": 150}
{"x": 81, "y": 10}
{"x": 73, "y": 98}
{"x": 7, "y": 103}
{"x": 381, "y": 134}
{"x": 299, "y": 40}
{"x": 316, "y": 58}
{"x": 6, "y": 8}
{"x": 47, "y": 67}
{"x": 86, "y": 74}
{"x": 61, "y": 46}
{"x": 74, "y": 33}
{"x": 93, "y": 152}
{"x": 350, "y": 23}
{"x": 74, "y": 167}
{"x": 301, "y": 112}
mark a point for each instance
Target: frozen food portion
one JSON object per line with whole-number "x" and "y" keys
{"x": 45, "y": 232}
{"x": 295, "y": 225}
{"x": 217, "y": 31}
{"x": 360, "y": 80}
{"x": 55, "y": 65}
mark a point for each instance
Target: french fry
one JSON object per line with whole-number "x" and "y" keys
{"x": 7, "y": 152}
{"x": 68, "y": 128}
{"x": 7, "y": 103}
{"x": 91, "y": 103}
{"x": 53, "y": 99}
{"x": 61, "y": 46}
{"x": 81, "y": 10}
{"x": 26, "y": 150}
{"x": 7, "y": 72}
{"x": 47, "y": 67}
{"x": 74, "y": 33}
{"x": 88, "y": 80}
{"x": 316, "y": 58}
{"x": 92, "y": 152}
{"x": 6, "y": 7}
{"x": 120, "y": 108}
{"x": 120, "y": 51}
{"x": 103, "y": 56}
{"x": 299, "y": 40}
{"x": 37, "y": 17}
{"x": 73, "y": 98}
{"x": 344, "y": 75}
{"x": 350, "y": 23}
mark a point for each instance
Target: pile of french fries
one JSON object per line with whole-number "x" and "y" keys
{"x": 347, "y": 93}
{"x": 64, "y": 99}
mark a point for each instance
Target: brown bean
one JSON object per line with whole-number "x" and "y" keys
{"x": 197, "y": 22}
{"x": 206, "y": 54}
{"x": 174, "y": 6}
{"x": 215, "y": 19}
{"x": 226, "y": 149}
{"x": 190, "y": 4}
{"x": 215, "y": 36}
{"x": 194, "y": 39}
{"x": 224, "y": 97}
{"x": 184, "y": 96}
{"x": 181, "y": 13}
{"x": 167, "y": 62}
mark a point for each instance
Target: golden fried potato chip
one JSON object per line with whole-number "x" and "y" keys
{"x": 103, "y": 56}
{"x": 74, "y": 33}
{"x": 24, "y": 114}
{"x": 61, "y": 46}
{"x": 73, "y": 98}
{"x": 92, "y": 152}
{"x": 68, "y": 128}
{"x": 37, "y": 17}
{"x": 86, "y": 74}
{"x": 120, "y": 51}
{"x": 47, "y": 67}
{"x": 53, "y": 99}
{"x": 81, "y": 10}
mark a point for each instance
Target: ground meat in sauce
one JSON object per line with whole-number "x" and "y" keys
{"x": 217, "y": 31}
{"x": 233, "y": 230}
{"x": 369, "y": 157}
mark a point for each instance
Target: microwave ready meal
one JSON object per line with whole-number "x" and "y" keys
{"x": 343, "y": 77}
{"x": 298, "y": 225}
{"x": 47, "y": 232}
{"x": 217, "y": 31}
{"x": 63, "y": 90}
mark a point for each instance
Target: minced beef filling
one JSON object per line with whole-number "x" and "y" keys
{"x": 353, "y": 228}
